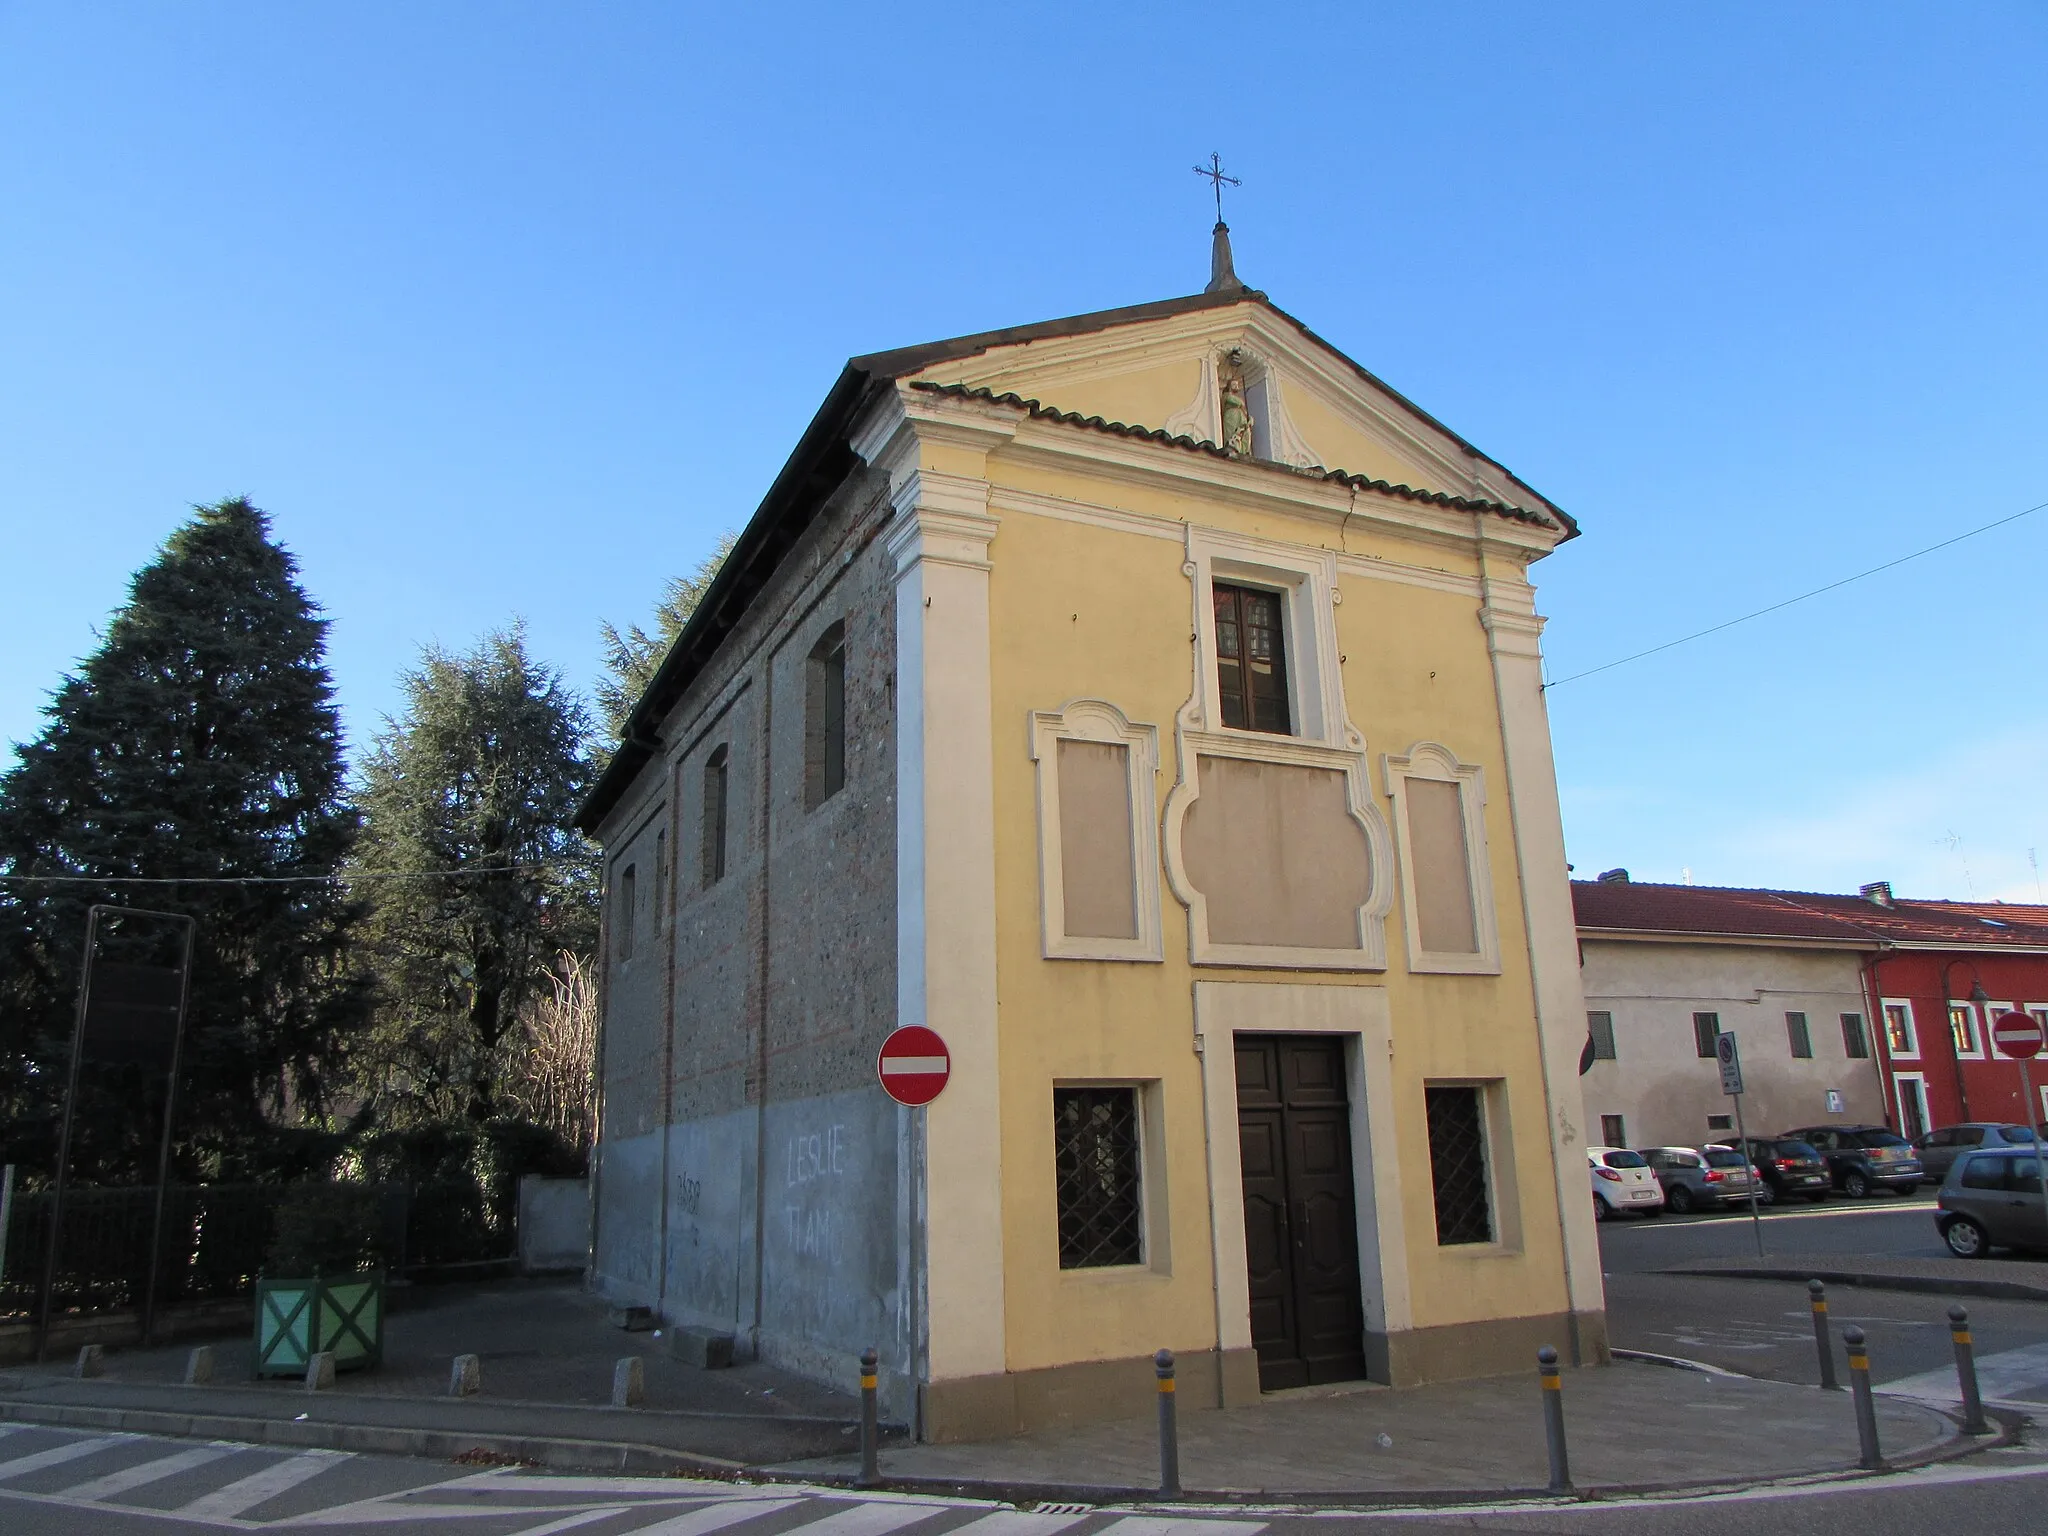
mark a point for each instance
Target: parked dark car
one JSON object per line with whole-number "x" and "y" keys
{"x": 1992, "y": 1198}
{"x": 1938, "y": 1149}
{"x": 1789, "y": 1167}
{"x": 1699, "y": 1179}
{"x": 1862, "y": 1159}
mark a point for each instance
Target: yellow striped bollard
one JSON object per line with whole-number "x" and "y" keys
{"x": 1817, "y": 1295}
{"x": 1553, "y": 1420}
{"x": 870, "y": 1451}
{"x": 1966, "y": 1372}
{"x": 1169, "y": 1428}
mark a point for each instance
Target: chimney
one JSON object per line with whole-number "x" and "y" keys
{"x": 1612, "y": 877}
{"x": 1878, "y": 893}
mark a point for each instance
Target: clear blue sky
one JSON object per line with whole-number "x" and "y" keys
{"x": 509, "y": 309}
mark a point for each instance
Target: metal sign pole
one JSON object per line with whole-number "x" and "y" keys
{"x": 1756, "y": 1221}
{"x": 2040, "y": 1152}
{"x": 92, "y": 926}
{"x": 6, "y": 1213}
{"x": 1729, "y": 1056}
{"x": 163, "y": 1156}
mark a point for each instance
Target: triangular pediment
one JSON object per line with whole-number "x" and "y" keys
{"x": 1309, "y": 405}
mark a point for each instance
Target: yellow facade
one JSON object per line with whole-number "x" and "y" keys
{"x": 1089, "y": 597}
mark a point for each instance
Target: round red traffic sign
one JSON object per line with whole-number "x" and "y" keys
{"x": 2016, "y": 1034}
{"x": 914, "y": 1065}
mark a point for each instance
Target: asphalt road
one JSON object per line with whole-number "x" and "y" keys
{"x": 1765, "y": 1328}
{"x": 1882, "y": 1224}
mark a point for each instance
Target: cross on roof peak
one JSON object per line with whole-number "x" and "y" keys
{"x": 1214, "y": 171}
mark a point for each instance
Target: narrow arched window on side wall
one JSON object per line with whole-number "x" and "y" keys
{"x": 825, "y": 718}
{"x": 715, "y": 782}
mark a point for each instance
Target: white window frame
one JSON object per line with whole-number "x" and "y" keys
{"x": 1919, "y": 1082}
{"x": 1321, "y": 736}
{"x": 1432, "y": 760}
{"x": 1155, "y": 1238}
{"x": 1100, "y": 721}
{"x": 1306, "y": 580}
{"x": 1980, "y": 1021}
{"x": 1885, "y": 1032}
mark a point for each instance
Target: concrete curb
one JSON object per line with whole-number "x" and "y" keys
{"x": 566, "y": 1454}
{"x": 1996, "y": 1290}
{"x": 1953, "y": 1448}
{"x": 555, "y": 1453}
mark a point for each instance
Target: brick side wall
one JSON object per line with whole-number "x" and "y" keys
{"x": 773, "y": 1169}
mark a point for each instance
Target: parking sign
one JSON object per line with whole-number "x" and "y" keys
{"x": 1731, "y": 1063}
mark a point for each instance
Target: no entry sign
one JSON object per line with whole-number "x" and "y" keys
{"x": 914, "y": 1065}
{"x": 2016, "y": 1034}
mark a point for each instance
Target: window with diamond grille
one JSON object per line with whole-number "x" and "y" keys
{"x": 1095, "y": 1155}
{"x": 1457, "y": 1165}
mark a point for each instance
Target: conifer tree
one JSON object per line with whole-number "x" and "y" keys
{"x": 199, "y": 741}
{"x": 631, "y": 655}
{"x": 481, "y": 775}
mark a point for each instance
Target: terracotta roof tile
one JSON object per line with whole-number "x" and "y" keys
{"x": 1736, "y": 912}
{"x": 1042, "y": 412}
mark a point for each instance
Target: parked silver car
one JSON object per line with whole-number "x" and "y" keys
{"x": 1938, "y": 1149}
{"x": 1992, "y": 1199}
{"x": 1699, "y": 1178}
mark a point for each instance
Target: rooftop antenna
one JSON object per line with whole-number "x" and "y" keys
{"x": 1222, "y": 275}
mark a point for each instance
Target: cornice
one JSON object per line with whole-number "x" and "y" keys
{"x": 1375, "y": 411}
{"x": 888, "y": 435}
{"x": 941, "y": 519}
{"x": 1255, "y": 486}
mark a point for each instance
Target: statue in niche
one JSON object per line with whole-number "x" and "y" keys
{"x": 1237, "y": 416}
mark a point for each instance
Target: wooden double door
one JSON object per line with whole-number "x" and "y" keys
{"x": 1300, "y": 1214}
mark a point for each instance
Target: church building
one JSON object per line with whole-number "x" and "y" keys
{"x": 1149, "y": 703}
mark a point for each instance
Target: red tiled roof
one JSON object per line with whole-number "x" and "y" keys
{"x": 1631, "y": 907}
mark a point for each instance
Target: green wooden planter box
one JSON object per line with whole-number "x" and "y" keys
{"x": 296, "y": 1319}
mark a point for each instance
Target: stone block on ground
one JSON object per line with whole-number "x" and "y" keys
{"x": 320, "y": 1371}
{"x": 705, "y": 1348}
{"x": 629, "y": 1383}
{"x": 466, "y": 1376}
{"x": 199, "y": 1366}
{"x": 632, "y": 1319}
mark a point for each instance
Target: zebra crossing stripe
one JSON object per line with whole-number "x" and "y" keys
{"x": 1159, "y": 1525}
{"x": 570, "y": 1522}
{"x": 869, "y": 1519}
{"x": 702, "y": 1522}
{"x": 265, "y": 1483}
{"x": 57, "y": 1455}
{"x": 120, "y": 1482}
{"x": 1016, "y": 1522}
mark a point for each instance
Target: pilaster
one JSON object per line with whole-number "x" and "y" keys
{"x": 946, "y": 904}
{"x": 1514, "y": 641}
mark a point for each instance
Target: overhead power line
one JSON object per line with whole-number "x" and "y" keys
{"x": 1715, "y": 629}
{"x": 345, "y": 879}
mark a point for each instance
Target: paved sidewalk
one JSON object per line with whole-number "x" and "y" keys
{"x": 547, "y": 1358}
{"x": 2002, "y": 1276}
{"x": 1629, "y": 1424}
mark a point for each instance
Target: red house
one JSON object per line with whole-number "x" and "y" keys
{"x": 1942, "y": 972}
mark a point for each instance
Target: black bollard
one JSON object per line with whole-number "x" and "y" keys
{"x": 1553, "y": 1420}
{"x": 1966, "y": 1372}
{"x": 870, "y": 1433}
{"x": 1869, "y": 1457}
{"x": 1169, "y": 1428}
{"x": 1818, "y": 1295}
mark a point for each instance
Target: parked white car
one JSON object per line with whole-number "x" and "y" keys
{"x": 1622, "y": 1184}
